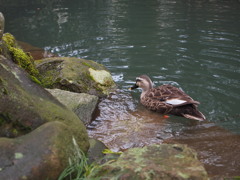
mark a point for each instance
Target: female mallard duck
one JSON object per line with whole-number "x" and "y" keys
{"x": 167, "y": 99}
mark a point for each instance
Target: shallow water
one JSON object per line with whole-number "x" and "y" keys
{"x": 194, "y": 45}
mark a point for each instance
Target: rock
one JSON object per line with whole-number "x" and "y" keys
{"x": 2, "y": 22}
{"x": 95, "y": 151}
{"x": 41, "y": 154}
{"x": 81, "y": 103}
{"x": 76, "y": 75}
{"x": 24, "y": 108}
{"x": 11, "y": 50}
{"x": 25, "y": 105}
{"x": 165, "y": 161}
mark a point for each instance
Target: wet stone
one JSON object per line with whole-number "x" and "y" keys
{"x": 165, "y": 161}
{"x": 81, "y": 103}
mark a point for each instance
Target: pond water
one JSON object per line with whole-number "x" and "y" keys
{"x": 194, "y": 45}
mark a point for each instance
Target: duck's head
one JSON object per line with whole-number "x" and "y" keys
{"x": 143, "y": 82}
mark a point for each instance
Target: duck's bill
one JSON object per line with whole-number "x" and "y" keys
{"x": 133, "y": 87}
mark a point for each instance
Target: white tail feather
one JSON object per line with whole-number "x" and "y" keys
{"x": 193, "y": 117}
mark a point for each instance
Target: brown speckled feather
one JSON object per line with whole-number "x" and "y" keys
{"x": 155, "y": 99}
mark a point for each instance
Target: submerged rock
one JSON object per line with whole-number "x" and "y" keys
{"x": 81, "y": 103}
{"x": 24, "y": 108}
{"x": 165, "y": 161}
{"x": 76, "y": 75}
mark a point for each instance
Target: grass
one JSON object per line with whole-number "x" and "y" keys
{"x": 78, "y": 168}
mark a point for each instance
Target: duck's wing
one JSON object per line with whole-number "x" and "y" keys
{"x": 171, "y": 95}
{"x": 168, "y": 99}
{"x": 152, "y": 101}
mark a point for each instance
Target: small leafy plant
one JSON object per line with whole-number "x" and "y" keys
{"x": 78, "y": 168}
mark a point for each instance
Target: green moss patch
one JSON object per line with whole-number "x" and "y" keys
{"x": 21, "y": 58}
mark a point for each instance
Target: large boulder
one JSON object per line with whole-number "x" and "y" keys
{"x": 24, "y": 107}
{"x": 38, "y": 155}
{"x": 165, "y": 161}
{"x": 76, "y": 75}
{"x": 81, "y": 103}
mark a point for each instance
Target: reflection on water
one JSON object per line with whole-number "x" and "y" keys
{"x": 120, "y": 126}
{"x": 194, "y": 45}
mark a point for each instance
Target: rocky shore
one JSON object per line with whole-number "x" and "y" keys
{"x": 44, "y": 109}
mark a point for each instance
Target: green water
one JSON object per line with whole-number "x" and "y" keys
{"x": 194, "y": 45}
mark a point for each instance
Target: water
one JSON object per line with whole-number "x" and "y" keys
{"x": 194, "y": 45}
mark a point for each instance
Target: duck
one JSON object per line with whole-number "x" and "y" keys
{"x": 167, "y": 99}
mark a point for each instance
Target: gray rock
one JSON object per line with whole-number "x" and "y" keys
{"x": 95, "y": 151}
{"x": 38, "y": 155}
{"x": 81, "y": 103}
{"x": 2, "y": 22}
{"x": 165, "y": 161}
{"x": 76, "y": 75}
{"x": 24, "y": 108}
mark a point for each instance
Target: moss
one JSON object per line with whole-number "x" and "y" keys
{"x": 10, "y": 129}
{"x": 21, "y": 127}
{"x": 88, "y": 65}
{"x": 15, "y": 132}
{"x": 24, "y": 61}
{"x": 3, "y": 89}
{"x": 9, "y": 39}
{"x": 48, "y": 79}
{"x": 34, "y": 79}
{"x": 21, "y": 58}
{"x": 4, "y": 118}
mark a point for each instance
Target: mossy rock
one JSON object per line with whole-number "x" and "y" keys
{"x": 12, "y": 51}
{"x": 36, "y": 130}
{"x": 25, "y": 106}
{"x": 41, "y": 154}
{"x": 165, "y": 161}
{"x": 76, "y": 75}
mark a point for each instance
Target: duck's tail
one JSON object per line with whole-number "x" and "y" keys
{"x": 197, "y": 116}
{"x": 189, "y": 111}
